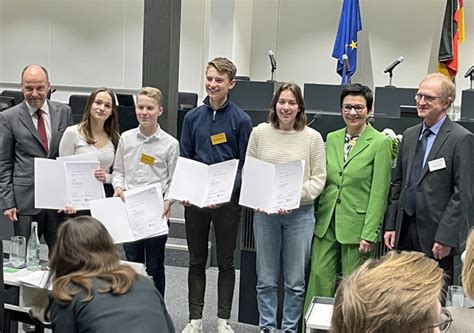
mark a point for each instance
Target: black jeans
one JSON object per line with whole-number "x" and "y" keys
{"x": 151, "y": 252}
{"x": 226, "y": 220}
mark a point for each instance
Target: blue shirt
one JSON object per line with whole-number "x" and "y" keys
{"x": 434, "y": 130}
{"x": 202, "y": 122}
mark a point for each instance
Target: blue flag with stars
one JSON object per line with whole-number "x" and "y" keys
{"x": 346, "y": 39}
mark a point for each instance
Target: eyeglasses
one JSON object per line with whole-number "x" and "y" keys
{"x": 445, "y": 320}
{"x": 348, "y": 107}
{"x": 428, "y": 98}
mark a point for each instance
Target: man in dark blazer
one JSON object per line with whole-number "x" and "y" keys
{"x": 28, "y": 130}
{"x": 428, "y": 206}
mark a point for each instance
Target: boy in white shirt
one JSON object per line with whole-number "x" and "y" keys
{"x": 147, "y": 155}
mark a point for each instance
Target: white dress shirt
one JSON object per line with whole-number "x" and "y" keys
{"x": 160, "y": 151}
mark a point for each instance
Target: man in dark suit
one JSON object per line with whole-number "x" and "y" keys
{"x": 28, "y": 130}
{"x": 432, "y": 184}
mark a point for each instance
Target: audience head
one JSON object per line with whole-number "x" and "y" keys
{"x": 84, "y": 250}
{"x": 35, "y": 85}
{"x": 83, "y": 245}
{"x": 435, "y": 95}
{"x": 468, "y": 266}
{"x": 398, "y": 293}
{"x": 101, "y": 106}
{"x": 288, "y": 108}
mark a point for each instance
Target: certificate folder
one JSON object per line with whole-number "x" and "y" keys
{"x": 64, "y": 182}
{"x": 203, "y": 185}
{"x": 271, "y": 187}
{"x": 139, "y": 217}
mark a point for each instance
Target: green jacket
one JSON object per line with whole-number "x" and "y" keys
{"x": 356, "y": 191}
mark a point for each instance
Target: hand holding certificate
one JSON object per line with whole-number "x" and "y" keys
{"x": 271, "y": 187}
{"x": 203, "y": 185}
{"x": 139, "y": 217}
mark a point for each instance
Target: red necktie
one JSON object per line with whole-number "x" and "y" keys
{"x": 42, "y": 130}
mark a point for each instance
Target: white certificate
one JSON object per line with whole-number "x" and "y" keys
{"x": 50, "y": 184}
{"x": 86, "y": 157}
{"x": 59, "y": 183}
{"x": 81, "y": 184}
{"x": 201, "y": 184}
{"x": 139, "y": 217}
{"x": 271, "y": 187}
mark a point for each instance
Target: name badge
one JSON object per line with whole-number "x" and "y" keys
{"x": 218, "y": 138}
{"x": 147, "y": 159}
{"x": 437, "y": 164}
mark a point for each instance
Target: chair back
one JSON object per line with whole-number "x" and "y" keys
{"x": 16, "y": 94}
{"x": 187, "y": 100}
{"x": 78, "y": 104}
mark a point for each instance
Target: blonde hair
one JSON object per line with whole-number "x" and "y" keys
{"x": 447, "y": 86}
{"x": 397, "y": 293}
{"x": 152, "y": 92}
{"x": 468, "y": 267}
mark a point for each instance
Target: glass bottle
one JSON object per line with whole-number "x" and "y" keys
{"x": 33, "y": 249}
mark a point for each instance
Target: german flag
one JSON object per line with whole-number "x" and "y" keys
{"x": 451, "y": 36}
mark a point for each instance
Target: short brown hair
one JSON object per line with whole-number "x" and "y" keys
{"x": 397, "y": 293}
{"x": 84, "y": 250}
{"x": 152, "y": 92}
{"x": 301, "y": 120}
{"x": 223, "y": 66}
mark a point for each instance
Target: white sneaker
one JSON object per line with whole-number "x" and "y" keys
{"x": 223, "y": 326}
{"x": 194, "y": 326}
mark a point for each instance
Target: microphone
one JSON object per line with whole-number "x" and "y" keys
{"x": 316, "y": 116}
{"x": 390, "y": 68}
{"x": 272, "y": 59}
{"x": 469, "y": 72}
{"x": 347, "y": 65}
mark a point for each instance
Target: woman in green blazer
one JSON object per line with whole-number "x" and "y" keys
{"x": 352, "y": 205}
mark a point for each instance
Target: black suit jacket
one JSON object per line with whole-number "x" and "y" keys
{"x": 19, "y": 145}
{"x": 443, "y": 196}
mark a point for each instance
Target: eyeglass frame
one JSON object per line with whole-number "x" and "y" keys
{"x": 427, "y": 98}
{"x": 446, "y": 322}
{"x": 345, "y": 108}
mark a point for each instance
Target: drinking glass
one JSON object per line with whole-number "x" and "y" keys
{"x": 455, "y": 296}
{"x": 17, "y": 251}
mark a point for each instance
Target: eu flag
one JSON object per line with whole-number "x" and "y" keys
{"x": 346, "y": 38}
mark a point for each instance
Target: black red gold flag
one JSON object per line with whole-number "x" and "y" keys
{"x": 451, "y": 36}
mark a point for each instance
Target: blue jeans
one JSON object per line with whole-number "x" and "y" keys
{"x": 151, "y": 252}
{"x": 289, "y": 238}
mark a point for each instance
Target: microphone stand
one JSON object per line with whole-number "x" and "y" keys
{"x": 273, "y": 73}
{"x": 390, "y": 73}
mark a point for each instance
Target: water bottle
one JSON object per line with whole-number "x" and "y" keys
{"x": 33, "y": 249}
